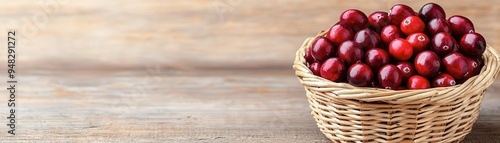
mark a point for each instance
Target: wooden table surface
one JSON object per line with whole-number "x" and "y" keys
{"x": 183, "y": 71}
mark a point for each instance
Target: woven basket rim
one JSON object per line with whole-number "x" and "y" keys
{"x": 370, "y": 94}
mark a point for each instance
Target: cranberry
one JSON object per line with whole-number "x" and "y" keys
{"x": 333, "y": 69}
{"x": 443, "y": 80}
{"x": 460, "y": 25}
{"x": 378, "y": 20}
{"x": 427, "y": 63}
{"x": 376, "y": 58}
{"x": 443, "y": 44}
{"x": 400, "y": 49}
{"x": 418, "y": 82}
{"x": 419, "y": 41}
{"x": 314, "y": 67}
{"x": 430, "y": 11}
{"x": 455, "y": 64}
{"x": 367, "y": 39}
{"x": 356, "y": 19}
{"x": 437, "y": 25}
{"x": 350, "y": 52}
{"x": 398, "y": 12}
{"x": 308, "y": 56}
{"x": 389, "y": 33}
{"x": 390, "y": 77}
{"x": 412, "y": 24}
{"x": 474, "y": 68}
{"x": 339, "y": 33}
{"x": 360, "y": 75}
{"x": 473, "y": 44}
{"x": 407, "y": 69}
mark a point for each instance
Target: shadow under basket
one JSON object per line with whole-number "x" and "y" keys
{"x": 345, "y": 113}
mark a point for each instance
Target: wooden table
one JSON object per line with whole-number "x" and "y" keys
{"x": 183, "y": 71}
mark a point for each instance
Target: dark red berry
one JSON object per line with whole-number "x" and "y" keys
{"x": 437, "y": 25}
{"x": 419, "y": 41}
{"x": 398, "y": 12}
{"x": 378, "y": 20}
{"x": 308, "y": 56}
{"x": 455, "y": 64}
{"x": 354, "y": 18}
{"x": 367, "y": 39}
{"x": 390, "y": 77}
{"x": 443, "y": 44}
{"x": 407, "y": 69}
{"x": 418, "y": 82}
{"x": 427, "y": 64}
{"x": 322, "y": 49}
{"x": 474, "y": 68}
{"x": 333, "y": 69}
{"x": 412, "y": 24}
{"x": 460, "y": 26}
{"x": 473, "y": 45}
{"x": 400, "y": 49}
{"x": 339, "y": 33}
{"x": 430, "y": 11}
{"x": 359, "y": 75}
{"x": 389, "y": 33}
{"x": 443, "y": 80}
{"x": 376, "y": 58}
{"x": 315, "y": 68}
{"x": 350, "y": 52}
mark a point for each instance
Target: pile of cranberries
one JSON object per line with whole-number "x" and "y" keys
{"x": 401, "y": 49}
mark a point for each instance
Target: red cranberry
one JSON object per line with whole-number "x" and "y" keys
{"x": 474, "y": 68}
{"x": 389, "y": 33}
{"x": 419, "y": 41}
{"x": 407, "y": 69}
{"x": 443, "y": 80}
{"x": 356, "y": 19}
{"x": 418, "y": 82}
{"x": 412, "y": 24}
{"x": 390, "y": 77}
{"x": 314, "y": 67}
{"x": 376, "y": 58}
{"x": 367, "y": 39}
{"x": 350, "y": 52}
{"x": 398, "y": 12}
{"x": 333, "y": 69}
{"x": 322, "y": 49}
{"x": 455, "y": 64}
{"x": 437, "y": 25}
{"x": 443, "y": 44}
{"x": 378, "y": 20}
{"x": 359, "y": 75}
{"x": 427, "y": 64}
{"x": 460, "y": 25}
{"x": 400, "y": 49}
{"x": 308, "y": 56}
{"x": 473, "y": 44}
{"x": 339, "y": 33}
{"x": 430, "y": 11}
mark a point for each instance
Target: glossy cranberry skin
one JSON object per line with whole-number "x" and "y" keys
{"x": 474, "y": 68}
{"x": 315, "y": 68}
{"x": 390, "y": 77}
{"x": 398, "y": 12}
{"x": 437, "y": 25}
{"x": 473, "y": 45}
{"x": 419, "y": 42}
{"x": 360, "y": 75}
{"x": 322, "y": 49}
{"x": 389, "y": 33}
{"x": 427, "y": 63}
{"x": 430, "y": 11}
{"x": 407, "y": 69}
{"x": 356, "y": 19}
{"x": 460, "y": 25}
{"x": 378, "y": 20}
{"x": 376, "y": 58}
{"x": 412, "y": 24}
{"x": 443, "y": 80}
{"x": 456, "y": 65}
{"x": 443, "y": 44}
{"x": 308, "y": 56}
{"x": 367, "y": 39}
{"x": 400, "y": 49}
{"x": 333, "y": 69}
{"x": 350, "y": 52}
{"x": 418, "y": 82}
{"x": 339, "y": 33}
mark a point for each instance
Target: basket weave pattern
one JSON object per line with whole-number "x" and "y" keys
{"x": 345, "y": 113}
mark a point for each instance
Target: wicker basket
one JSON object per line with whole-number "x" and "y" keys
{"x": 345, "y": 113}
